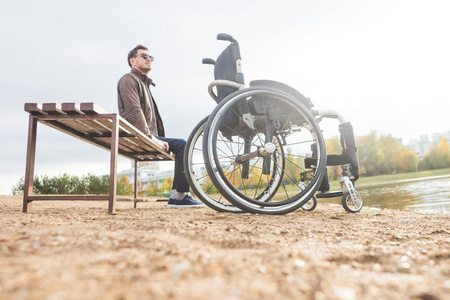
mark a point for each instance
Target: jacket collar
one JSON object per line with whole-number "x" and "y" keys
{"x": 142, "y": 77}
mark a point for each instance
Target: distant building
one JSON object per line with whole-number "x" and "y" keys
{"x": 447, "y": 136}
{"x": 152, "y": 165}
{"x": 424, "y": 144}
{"x": 147, "y": 173}
{"x": 416, "y": 147}
{"x": 435, "y": 137}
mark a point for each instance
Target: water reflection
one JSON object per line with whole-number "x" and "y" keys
{"x": 424, "y": 195}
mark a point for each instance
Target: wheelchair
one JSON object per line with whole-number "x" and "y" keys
{"x": 261, "y": 150}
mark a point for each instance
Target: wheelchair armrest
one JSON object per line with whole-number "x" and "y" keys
{"x": 329, "y": 113}
{"x": 222, "y": 82}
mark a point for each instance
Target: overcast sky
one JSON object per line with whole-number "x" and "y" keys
{"x": 384, "y": 64}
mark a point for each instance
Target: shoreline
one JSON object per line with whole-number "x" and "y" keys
{"x": 403, "y": 180}
{"x": 74, "y": 249}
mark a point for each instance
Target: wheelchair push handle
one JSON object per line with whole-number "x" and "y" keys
{"x": 208, "y": 61}
{"x": 225, "y": 37}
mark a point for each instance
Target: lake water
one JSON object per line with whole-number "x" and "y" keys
{"x": 431, "y": 194}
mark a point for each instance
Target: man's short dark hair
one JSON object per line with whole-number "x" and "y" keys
{"x": 133, "y": 53}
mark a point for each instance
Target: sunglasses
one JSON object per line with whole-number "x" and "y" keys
{"x": 146, "y": 56}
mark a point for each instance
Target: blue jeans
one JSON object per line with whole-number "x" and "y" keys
{"x": 177, "y": 147}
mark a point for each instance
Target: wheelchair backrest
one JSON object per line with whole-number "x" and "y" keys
{"x": 228, "y": 67}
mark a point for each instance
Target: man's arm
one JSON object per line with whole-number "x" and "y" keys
{"x": 128, "y": 90}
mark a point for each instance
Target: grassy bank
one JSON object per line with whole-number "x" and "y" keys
{"x": 392, "y": 178}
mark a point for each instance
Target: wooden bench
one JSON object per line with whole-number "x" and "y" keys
{"x": 91, "y": 124}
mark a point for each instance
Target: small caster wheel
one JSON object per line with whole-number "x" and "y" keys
{"x": 311, "y": 204}
{"x": 350, "y": 205}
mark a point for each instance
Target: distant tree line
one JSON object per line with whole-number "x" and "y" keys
{"x": 438, "y": 157}
{"x": 384, "y": 154}
{"x": 66, "y": 184}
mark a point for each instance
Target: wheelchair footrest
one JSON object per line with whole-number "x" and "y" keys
{"x": 330, "y": 194}
{"x": 332, "y": 160}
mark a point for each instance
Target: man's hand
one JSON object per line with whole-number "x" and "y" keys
{"x": 166, "y": 145}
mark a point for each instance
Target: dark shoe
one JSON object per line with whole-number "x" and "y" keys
{"x": 171, "y": 203}
{"x": 186, "y": 202}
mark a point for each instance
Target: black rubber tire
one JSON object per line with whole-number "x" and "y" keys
{"x": 311, "y": 204}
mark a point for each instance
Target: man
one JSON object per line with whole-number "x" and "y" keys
{"x": 137, "y": 106}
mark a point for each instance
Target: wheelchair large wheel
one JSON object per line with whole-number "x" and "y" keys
{"x": 197, "y": 176}
{"x": 259, "y": 139}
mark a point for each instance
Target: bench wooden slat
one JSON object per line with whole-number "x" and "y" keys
{"x": 142, "y": 145}
{"x": 91, "y": 108}
{"x": 126, "y": 141}
{"x": 133, "y": 144}
{"x": 82, "y": 127}
{"x": 148, "y": 156}
{"x": 71, "y": 108}
{"x": 34, "y": 109}
{"x": 52, "y": 109}
{"x": 55, "y": 109}
{"x": 151, "y": 141}
{"x": 93, "y": 126}
{"x": 124, "y": 144}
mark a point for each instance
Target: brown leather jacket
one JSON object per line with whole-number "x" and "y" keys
{"x": 136, "y": 104}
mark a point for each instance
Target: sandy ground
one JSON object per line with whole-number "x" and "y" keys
{"x": 75, "y": 250}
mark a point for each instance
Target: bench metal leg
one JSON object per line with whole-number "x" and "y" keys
{"x": 29, "y": 169}
{"x": 135, "y": 182}
{"x": 113, "y": 165}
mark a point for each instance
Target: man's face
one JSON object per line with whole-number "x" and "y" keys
{"x": 142, "y": 64}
